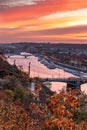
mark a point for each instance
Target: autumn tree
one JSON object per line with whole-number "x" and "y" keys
{"x": 62, "y": 108}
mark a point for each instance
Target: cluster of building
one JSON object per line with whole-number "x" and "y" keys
{"x": 71, "y": 54}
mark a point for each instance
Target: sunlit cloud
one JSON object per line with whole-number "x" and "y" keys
{"x": 43, "y": 20}
{"x": 76, "y": 13}
{"x": 78, "y": 22}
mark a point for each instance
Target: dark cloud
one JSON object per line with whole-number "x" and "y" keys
{"x": 58, "y": 31}
{"x": 66, "y": 30}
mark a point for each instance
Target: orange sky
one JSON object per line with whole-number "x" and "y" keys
{"x": 43, "y": 21}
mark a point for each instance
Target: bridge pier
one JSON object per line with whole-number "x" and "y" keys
{"x": 74, "y": 85}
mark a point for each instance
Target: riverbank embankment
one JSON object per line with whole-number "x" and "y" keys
{"x": 51, "y": 64}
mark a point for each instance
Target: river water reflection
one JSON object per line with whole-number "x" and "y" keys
{"x": 39, "y": 70}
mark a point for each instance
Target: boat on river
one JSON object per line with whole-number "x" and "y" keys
{"x": 84, "y": 75}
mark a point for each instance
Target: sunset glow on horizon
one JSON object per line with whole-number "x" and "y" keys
{"x": 43, "y": 21}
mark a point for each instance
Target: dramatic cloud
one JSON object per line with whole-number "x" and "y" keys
{"x": 43, "y": 20}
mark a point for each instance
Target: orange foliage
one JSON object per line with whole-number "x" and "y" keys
{"x": 13, "y": 116}
{"x": 56, "y": 114}
{"x": 61, "y": 110}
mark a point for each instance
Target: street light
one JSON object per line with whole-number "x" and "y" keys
{"x": 14, "y": 62}
{"x": 38, "y": 74}
{"x": 64, "y": 74}
{"x": 59, "y": 73}
{"x": 29, "y": 69}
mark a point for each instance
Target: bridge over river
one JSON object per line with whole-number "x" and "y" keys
{"x": 73, "y": 83}
{"x": 24, "y": 54}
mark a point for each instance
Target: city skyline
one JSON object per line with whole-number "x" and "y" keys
{"x": 43, "y": 21}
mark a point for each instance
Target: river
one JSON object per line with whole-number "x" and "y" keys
{"x": 39, "y": 70}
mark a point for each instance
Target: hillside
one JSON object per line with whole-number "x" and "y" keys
{"x": 22, "y": 109}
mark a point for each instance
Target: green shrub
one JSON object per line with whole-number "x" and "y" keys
{"x": 19, "y": 93}
{"x": 10, "y": 94}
